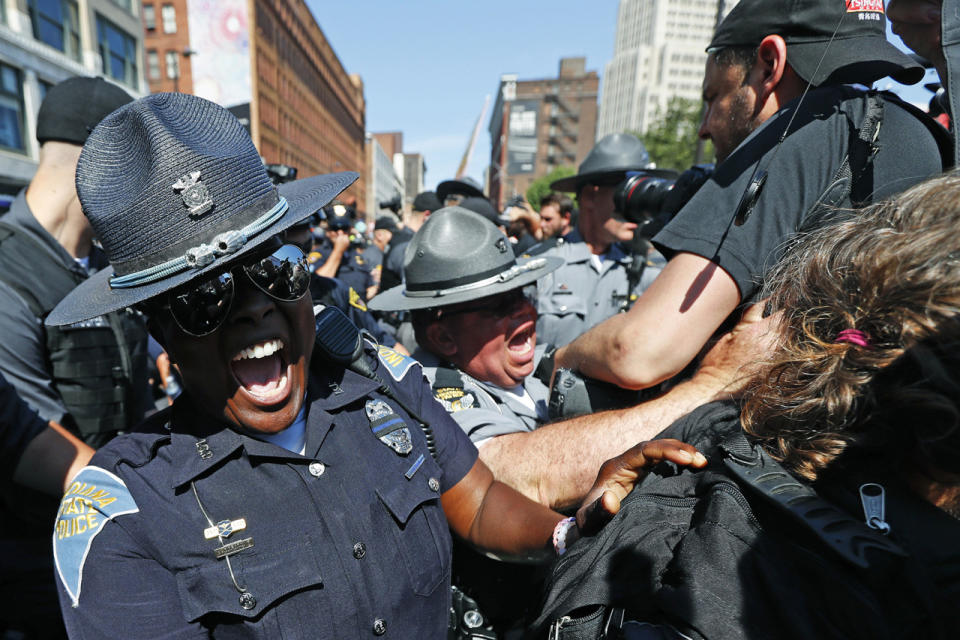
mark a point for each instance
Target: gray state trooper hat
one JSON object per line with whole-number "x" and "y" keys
{"x": 458, "y": 256}
{"x": 609, "y": 161}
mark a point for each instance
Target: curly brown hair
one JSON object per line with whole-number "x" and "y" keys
{"x": 891, "y": 271}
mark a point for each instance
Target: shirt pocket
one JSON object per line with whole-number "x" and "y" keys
{"x": 208, "y": 591}
{"x": 419, "y": 528}
{"x": 562, "y": 303}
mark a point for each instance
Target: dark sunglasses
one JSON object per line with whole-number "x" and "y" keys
{"x": 200, "y": 308}
{"x": 500, "y": 306}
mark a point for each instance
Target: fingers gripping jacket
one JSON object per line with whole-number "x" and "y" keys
{"x": 340, "y": 341}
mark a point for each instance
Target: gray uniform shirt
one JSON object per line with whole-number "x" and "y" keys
{"x": 484, "y": 410}
{"x": 578, "y": 295}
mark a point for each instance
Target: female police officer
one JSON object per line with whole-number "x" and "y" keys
{"x": 273, "y": 500}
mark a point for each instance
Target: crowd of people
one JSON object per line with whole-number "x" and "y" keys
{"x": 250, "y": 411}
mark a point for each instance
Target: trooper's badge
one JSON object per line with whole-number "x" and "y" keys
{"x": 194, "y": 193}
{"x": 389, "y": 427}
{"x": 455, "y": 399}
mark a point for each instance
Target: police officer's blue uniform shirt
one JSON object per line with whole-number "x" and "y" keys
{"x": 354, "y": 270}
{"x": 346, "y": 541}
{"x": 580, "y": 295}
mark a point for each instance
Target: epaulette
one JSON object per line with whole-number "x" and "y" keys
{"x": 543, "y": 247}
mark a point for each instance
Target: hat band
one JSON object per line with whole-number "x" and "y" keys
{"x": 504, "y": 276}
{"x": 200, "y": 256}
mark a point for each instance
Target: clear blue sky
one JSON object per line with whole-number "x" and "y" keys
{"x": 428, "y": 64}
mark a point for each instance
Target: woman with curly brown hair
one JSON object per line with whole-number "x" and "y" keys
{"x": 830, "y": 505}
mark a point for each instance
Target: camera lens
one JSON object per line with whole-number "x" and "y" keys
{"x": 641, "y": 196}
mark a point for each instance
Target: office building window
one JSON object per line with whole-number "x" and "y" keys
{"x": 11, "y": 108}
{"x": 149, "y": 17}
{"x": 118, "y": 52}
{"x": 153, "y": 65}
{"x": 124, "y": 4}
{"x": 169, "y": 16}
{"x": 173, "y": 64}
{"x": 55, "y": 23}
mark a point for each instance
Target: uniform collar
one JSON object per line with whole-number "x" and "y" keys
{"x": 200, "y": 444}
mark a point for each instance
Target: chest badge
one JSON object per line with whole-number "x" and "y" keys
{"x": 224, "y": 528}
{"x": 389, "y": 427}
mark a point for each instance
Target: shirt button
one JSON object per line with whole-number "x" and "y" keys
{"x": 379, "y": 627}
{"x": 434, "y": 484}
{"x": 316, "y": 469}
{"x": 359, "y": 550}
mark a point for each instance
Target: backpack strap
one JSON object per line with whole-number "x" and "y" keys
{"x": 763, "y": 476}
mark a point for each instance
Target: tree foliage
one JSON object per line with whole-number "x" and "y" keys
{"x": 671, "y": 140}
{"x": 540, "y": 187}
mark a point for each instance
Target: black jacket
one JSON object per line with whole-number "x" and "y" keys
{"x": 708, "y": 556}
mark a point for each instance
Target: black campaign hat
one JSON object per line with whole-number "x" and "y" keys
{"x": 465, "y": 186}
{"x": 175, "y": 189}
{"x": 609, "y": 161}
{"x": 859, "y": 52}
{"x": 72, "y": 108}
{"x": 426, "y": 201}
{"x": 458, "y": 256}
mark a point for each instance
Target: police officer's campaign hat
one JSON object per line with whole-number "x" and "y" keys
{"x": 464, "y": 186}
{"x": 609, "y": 161}
{"x": 458, "y": 256}
{"x": 828, "y": 41}
{"x": 174, "y": 189}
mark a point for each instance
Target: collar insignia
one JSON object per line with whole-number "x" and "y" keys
{"x": 194, "y": 193}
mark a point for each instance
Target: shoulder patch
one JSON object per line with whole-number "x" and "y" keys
{"x": 356, "y": 300}
{"x": 314, "y": 257}
{"x": 94, "y": 496}
{"x": 455, "y": 399}
{"x": 396, "y": 363}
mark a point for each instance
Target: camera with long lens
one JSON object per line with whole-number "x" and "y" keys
{"x": 393, "y": 204}
{"x": 652, "y": 201}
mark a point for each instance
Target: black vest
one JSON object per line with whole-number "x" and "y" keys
{"x": 98, "y": 366}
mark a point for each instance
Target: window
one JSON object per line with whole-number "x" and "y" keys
{"x": 173, "y": 64}
{"x": 118, "y": 52}
{"x": 149, "y": 17}
{"x": 55, "y": 23}
{"x": 11, "y": 109}
{"x": 153, "y": 65}
{"x": 169, "y": 15}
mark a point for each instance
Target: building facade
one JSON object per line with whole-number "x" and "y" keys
{"x": 539, "y": 125}
{"x": 659, "y": 53}
{"x": 166, "y": 44}
{"x": 414, "y": 174}
{"x": 306, "y": 110}
{"x": 383, "y": 182}
{"x": 43, "y": 43}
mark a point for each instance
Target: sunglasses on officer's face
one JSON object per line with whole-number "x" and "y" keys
{"x": 200, "y": 308}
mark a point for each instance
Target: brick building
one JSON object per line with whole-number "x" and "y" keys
{"x": 539, "y": 125}
{"x": 270, "y": 61}
{"x": 166, "y": 43}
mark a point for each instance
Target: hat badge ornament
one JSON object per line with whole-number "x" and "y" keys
{"x": 194, "y": 193}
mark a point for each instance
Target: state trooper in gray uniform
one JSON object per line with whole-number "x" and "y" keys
{"x": 601, "y": 277}
{"x": 474, "y": 323}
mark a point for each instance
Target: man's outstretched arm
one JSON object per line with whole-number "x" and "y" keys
{"x": 666, "y": 328}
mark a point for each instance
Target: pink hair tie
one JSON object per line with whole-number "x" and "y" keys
{"x": 853, "y": 336}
